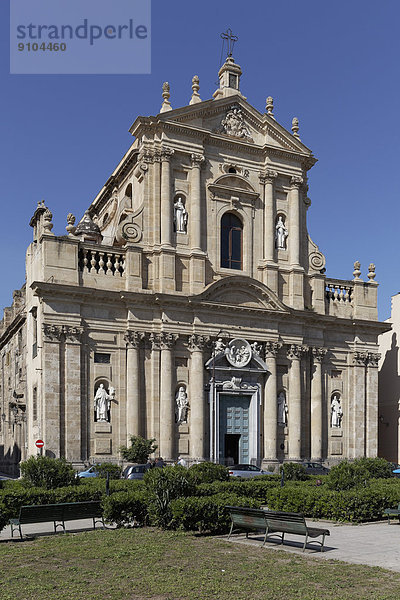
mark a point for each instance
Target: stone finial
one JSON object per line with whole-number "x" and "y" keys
{"x": 195, "y": 90}
{"x": 371, "y": 273}
{"x": 269, "y": 107}
{"x": 295, "y": 127}
{"x": 47, "y": 221}
{"x": 357, "y": 271}
{"x": 166, "y": 105}
{"x": 70, "y": 224}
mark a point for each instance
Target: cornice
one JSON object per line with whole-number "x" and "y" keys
{"x": 12, "y": 328}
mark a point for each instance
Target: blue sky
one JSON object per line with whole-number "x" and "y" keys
{"x": 334, "y": 65}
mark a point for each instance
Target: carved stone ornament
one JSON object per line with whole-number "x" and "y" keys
{"x": 62, "y": 332}
{"x": 133, "y": 338}
{"x": 296, "y": 352}
{"x": 238, "y": 352}
{"x": 368, "y": 359}
{"x": 198, "y": 342}
{"x": 233, "y": 124}
{"x": 131, "y": 232}
{"x": 236, "y": 384}
{"x": 317, "y": 261}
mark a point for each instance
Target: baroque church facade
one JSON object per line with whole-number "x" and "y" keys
{"x": 190, "y": 304}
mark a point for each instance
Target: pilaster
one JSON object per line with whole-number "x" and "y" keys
{"x": 270, "y": 403}
{"x": 295, "y": 353}
{"x": 318, "y": 355}
{"x": 133, "y": 408}
{"x": 167, "y": 396}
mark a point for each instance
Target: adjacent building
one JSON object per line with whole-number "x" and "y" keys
{"x": 190, "y": 304}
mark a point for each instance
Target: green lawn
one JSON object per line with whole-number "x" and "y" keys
{"x": 146, "y": 563}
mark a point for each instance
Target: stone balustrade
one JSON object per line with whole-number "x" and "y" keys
{"x": 97, "y": 261}
{"x": 337, "y": 290}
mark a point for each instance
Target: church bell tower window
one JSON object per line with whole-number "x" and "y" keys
{"x": 231, "y": 242}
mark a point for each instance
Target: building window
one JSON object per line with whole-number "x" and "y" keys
{"x": 101, "y": 358}
{"x": 34, "y": 404}
{"x": 231, "y": 241}
{"x": 34, "y": 331}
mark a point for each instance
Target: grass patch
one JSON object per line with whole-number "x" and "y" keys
{"x": 148, "y": 563}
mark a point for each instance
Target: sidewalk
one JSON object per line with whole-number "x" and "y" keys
{"x": 373, "y": 544}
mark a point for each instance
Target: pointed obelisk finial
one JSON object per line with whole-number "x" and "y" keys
{"x": 295, "y": 127}
{"x": 195, "y": 90}
{"x": 166, "y": 105}
{"x": 269, "y": 107}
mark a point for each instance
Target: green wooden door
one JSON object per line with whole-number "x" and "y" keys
{"x": 234, "y": 428}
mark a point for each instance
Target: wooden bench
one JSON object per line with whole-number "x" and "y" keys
{"x": 279, "y": 523}
{"x": 58, "y": 513}
{"x": 247, "y": 519}
{"x": 392, "y": 512}
{"x": 274, "y": 523}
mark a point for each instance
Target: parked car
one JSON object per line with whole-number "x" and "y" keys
{"x": 91, "y": 472}
{"x": 315, "y": 468}
{"x": 136, "y": 472}
{"x": 247, "y": 471}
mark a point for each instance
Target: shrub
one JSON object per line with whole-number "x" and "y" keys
{"x": 123, "y": 508}
{"x": 294, "y": 471}
{"x": 207, "y": 513}
{"x": 377, "y": 467}
{"x": 49, "y": 473}
{"x": 207, "y": 472}
{"x": 253, "y": 488}
{"x": 347, "y": 475}
{"x": 164, "y": 485}
{"x": 111, "y": 468}
{"x": 139, "y": 451}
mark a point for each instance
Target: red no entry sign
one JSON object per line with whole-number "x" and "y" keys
{"x": 39, "y": 443}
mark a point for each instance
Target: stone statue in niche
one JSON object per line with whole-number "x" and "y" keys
{"x": 336, "y": 411}
{"x": 281, "y": 234}
{"x": 282, "y": 409}
{"x": 102, "y": 403}
{"x": 180, "y": 216}
{"x": 182, "y": 405}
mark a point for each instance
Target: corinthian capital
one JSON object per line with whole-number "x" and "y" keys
{"x": 296, "y": 181}
{"x": 198, "y": 342}
{"x": 373, "y": 359}
{"x": 167, "y": 153}
{"x": 133, "y": 338}
{"x": 167, "y": 340}
{"x": 272, "y": 349}
{"x": 197, "y": 160}
{"x": 268, "y": 176}
{"x": 318, "y": 354}
{"x": 295, "y": 351}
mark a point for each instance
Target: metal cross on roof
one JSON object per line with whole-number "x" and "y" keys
{"x": 230, "y": 40}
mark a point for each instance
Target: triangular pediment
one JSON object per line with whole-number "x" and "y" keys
{"x": 242, "y": 292}
{"x": 234, "y": 118}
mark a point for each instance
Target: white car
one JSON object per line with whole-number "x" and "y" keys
{"x": 247, "y": 471}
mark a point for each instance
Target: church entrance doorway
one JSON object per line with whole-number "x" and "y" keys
{"x": 234, "y": 428}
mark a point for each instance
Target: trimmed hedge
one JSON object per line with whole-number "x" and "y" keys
{"x": 206, "y": 514}
{"x": 123, "y": 508}
{"x": 207, "y": 472}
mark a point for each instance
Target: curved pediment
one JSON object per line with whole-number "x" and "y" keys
{"x": 242, "y": 291}
{"x": 233, "y": 184}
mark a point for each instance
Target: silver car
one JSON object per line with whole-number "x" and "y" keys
{"x": 247, "y": 471}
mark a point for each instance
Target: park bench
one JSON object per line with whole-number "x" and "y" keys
{"x": 247, "y": 519}
{"x": 274, "y": 523}
{"x": 58, "y": 513}
{"x": 392, "y": 512}
{"x": 279, "y": 523}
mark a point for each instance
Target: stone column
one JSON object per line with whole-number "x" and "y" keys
{"x": 167, "y": 396}
{"x": 132, "y": 339}
{"x": 166, "y": 200}
{"x": 197, "y": 344}
{"x": 195, "y": 201}
{"x": 154, "y": 412}
{"x": 372, "y": 406}
{"x": 316, "y": 404}
{"x": 357, "y": 418}
{"x": 270, "y": 403}
{"x": 269, "y": 214}
{"x": 294, "y": 221}
{"x": 294, "y": 409}
{"x": 72, "y": 404}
